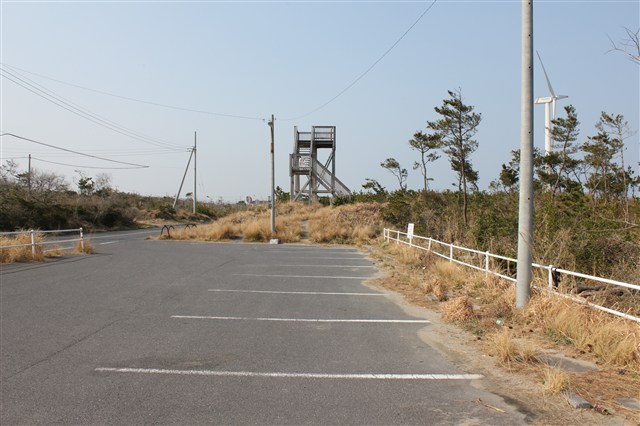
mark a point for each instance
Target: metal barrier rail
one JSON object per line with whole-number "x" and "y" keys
{"x": 552, "y": 272}
{"x": 33, "y": 244}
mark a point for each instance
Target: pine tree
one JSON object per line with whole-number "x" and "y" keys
{"x": 456, "y": 130}
{"x": 425, "y": 144}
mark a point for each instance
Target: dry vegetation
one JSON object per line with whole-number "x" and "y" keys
{"x": 485, "y": 306}
{"x": 25, "y": 253}
{"x": 354, "y": 224}
{"x": 19, "y": 254}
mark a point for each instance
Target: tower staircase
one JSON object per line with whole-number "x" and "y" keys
{"x": 304, "y": 162}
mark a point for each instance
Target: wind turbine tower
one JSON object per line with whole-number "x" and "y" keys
{"x": 549, "y": 103}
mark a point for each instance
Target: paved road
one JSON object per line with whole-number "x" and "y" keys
{"x": 190, "y": 333}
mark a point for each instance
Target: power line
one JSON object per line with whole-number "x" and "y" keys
{"x": 94, "y": 152}
{"x": 353, "y": 83}
{"x": 52, "y": 97}
{"x": 83, "y": 167}
{"x": 127, "y": 98}
{"x": 140, "y": 166}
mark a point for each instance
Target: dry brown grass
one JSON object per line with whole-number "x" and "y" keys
{"x": 459, "y": 309}
{"x": 554, "y": 380}
{"x": 350, "y": 224}
{"x": 25, "y": 254}
{"x": 502, "y": 346}
{"x": 258, "y": 229}
{"x": 511, "y": 353}
{"x": 19, "y": 254}
{"x": 87, "y": 248}
{"x": 611, "y": 340}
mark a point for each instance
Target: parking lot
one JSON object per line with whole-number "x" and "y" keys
{"x": 192, "y": 333}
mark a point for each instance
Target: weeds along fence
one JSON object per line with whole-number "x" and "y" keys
{"x": 505, "y": 267}
{"x": 35, "y": 242}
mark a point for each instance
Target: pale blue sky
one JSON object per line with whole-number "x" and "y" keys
{"x": 286, "y": 58}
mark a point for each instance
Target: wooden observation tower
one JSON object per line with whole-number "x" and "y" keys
{"x": 318, "y": 167}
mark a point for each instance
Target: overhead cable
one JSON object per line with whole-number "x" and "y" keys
{"x": 128, "y": 98}
{"x": 353, "y": 83}
{"x": 52, "y": 97}
{"x": 83, "y": 167}
{"x": 139, "y": 166}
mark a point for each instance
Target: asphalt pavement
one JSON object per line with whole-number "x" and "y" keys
{"x": 167, "y": 332}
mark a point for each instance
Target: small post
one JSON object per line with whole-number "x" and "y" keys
{"x": 486, "y": 263}
{"x": 81, "y": 240}
{"x": 410, "y": 234}
{"x": 451, "y": 252}
{"x": 429, "y": 243}
{"x": 550, "y": 277}
{"x": 33, "y": 243}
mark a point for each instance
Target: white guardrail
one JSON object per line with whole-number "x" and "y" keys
{"x": 485, "y": 259}
{"x": 34, "y": 243}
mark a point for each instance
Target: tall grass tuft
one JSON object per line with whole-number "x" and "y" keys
{"x": 459, "y": 309}
{"x": 554, "y": 380}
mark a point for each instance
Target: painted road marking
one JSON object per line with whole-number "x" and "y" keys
{"x": 302, "y": 250}
{"x": 108, "y": 242}
{"x": 298, "y": 292}
{"x": 370, "y": 321}
{"x": 303, "y": 276}
{"x": 312, "y": 266}
{"x": 292, "y": 375}
{"x": 98, "y": 237}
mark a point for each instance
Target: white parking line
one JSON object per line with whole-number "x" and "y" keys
{"x": 303, "y": 276}
{"x": 311, "y": 266}
{"x": 298, "y": 292}
{"x": 370, "y": 321}
{"x": 338, "y": 258}
{"x": 292, "y": 375}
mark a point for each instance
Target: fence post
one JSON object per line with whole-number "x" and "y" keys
{"x": 429, "y": 243}
{"x": 33, "y": 242}
{"x": 81, "y": 240}
{"x": 486, "y": 263}
{"x": 451, "y": 252}
{"x": 550, "y": 279}
{"x": 397, "y": 237}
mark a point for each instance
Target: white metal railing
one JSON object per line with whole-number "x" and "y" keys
{"x": 34, "y": 243}
{"x": 484, "y": 264}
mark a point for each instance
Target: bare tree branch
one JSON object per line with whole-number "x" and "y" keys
{"x": 629, "y": 46}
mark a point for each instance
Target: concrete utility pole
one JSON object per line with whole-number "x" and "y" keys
{"x": 183, "y": 178}
{"x": 525, "y": 213}
{"x": 29, "y": 176}
{"x": 195, "y": 161}
{"x": 273, "y": 181}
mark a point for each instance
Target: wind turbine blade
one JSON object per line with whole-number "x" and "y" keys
{"x": 553, "y": 104}
{"x": 546, "y": 76}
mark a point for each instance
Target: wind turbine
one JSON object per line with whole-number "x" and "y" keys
{"x": 548, "y": 101}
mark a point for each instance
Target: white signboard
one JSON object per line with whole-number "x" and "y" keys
{"x": 304, "y": 163}
{"x": 410, "y": 231}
